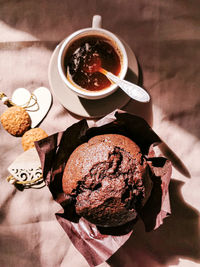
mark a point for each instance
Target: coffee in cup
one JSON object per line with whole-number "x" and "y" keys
{"x": 84, "y": 57}
{"x": 83, "y": 52}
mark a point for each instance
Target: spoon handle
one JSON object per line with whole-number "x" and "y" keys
{"x": 132, "y": 90}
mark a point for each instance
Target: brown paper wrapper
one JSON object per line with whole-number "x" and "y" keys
{"x": 97, "y": 244}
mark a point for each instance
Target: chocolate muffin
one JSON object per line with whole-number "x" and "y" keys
{"x": 106, "y": 180}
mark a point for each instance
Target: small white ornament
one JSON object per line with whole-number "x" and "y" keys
{"x": 26, "y": 169}
{"x": 21, "y": 96}
{"x": 37, "y": 104}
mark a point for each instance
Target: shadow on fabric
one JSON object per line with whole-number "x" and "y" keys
{"x": 178, "y": 237}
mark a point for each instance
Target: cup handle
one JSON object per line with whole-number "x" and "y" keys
{"x": 96, "y": 21}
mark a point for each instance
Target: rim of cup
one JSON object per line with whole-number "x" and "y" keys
{"x": 107, "y": 35}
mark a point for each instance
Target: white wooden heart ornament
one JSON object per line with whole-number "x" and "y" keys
{"x": 26, "y": 169}
{"x": 37, "y": 104}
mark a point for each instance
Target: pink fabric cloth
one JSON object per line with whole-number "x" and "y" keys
{"x": 165, "y": 38}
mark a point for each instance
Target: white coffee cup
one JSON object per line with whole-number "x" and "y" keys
{"x": 97, "y": 31}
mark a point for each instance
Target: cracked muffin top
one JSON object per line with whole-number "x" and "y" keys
{"x": 106, "y": 180}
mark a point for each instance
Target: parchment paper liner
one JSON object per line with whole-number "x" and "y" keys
{"x": 94, "y": 243}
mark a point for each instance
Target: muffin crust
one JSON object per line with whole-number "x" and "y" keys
{"x": 104, "y": 177}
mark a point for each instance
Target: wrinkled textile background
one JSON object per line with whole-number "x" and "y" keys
{"x": 165, "y": 36}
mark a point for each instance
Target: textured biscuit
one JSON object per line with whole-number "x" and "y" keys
{"x": 105, "y": 177}
{"x": 16, "y": 120}
{"x": 31, "y": 136}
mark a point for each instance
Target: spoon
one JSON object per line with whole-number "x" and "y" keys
{"x": 131, "y": 89}
{"x": 93, "y": 64}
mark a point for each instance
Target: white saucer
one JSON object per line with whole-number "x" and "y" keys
{"x": 84, "y": 107}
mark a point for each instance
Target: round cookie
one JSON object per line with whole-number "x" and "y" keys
{"x": 31, "y": 136}
{"x": 16, "y": 120}
{"x": 106, "y": 179}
